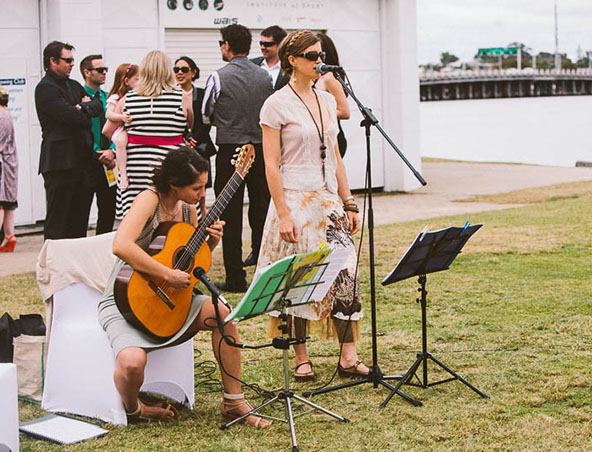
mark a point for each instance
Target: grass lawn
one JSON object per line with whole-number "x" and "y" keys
{"x": 512, "y": 315}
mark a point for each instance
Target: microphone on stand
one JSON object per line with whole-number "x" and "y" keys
{"x": 201, "y": 274}
{"x": 323, "y": 68}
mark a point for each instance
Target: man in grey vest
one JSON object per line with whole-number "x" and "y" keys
{"x": 233, "y": 98}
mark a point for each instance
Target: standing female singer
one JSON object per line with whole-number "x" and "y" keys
{"x": 312, "y": 202}
{"x": 178, "y": 184}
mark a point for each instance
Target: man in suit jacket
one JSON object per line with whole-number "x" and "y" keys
{"x": 271, "y": 38}
{"x": 65, "y": 111}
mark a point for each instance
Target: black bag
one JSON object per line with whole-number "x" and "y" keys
{"x": 29, "y": 324}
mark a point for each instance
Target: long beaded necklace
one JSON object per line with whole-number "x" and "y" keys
{"x": 321, "y": 130}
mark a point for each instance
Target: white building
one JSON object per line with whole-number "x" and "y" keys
{"x": 376, "y": 39}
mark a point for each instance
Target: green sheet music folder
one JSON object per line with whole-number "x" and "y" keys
{"x": 294, "y": 277}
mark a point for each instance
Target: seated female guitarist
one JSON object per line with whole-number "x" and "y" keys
{"x": 178, "y": 185}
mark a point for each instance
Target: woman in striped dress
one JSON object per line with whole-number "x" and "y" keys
{"x": 160, "y": 113}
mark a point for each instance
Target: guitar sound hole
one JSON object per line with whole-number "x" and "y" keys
{"x": 182, "y": 260}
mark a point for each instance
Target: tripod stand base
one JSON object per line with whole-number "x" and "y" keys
{"x": 422, "y": 358}
{"x": 286, "y": 397}
{"x": 376, "y": 378}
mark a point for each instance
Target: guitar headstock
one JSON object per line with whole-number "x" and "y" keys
{"x": 244, "y": 160}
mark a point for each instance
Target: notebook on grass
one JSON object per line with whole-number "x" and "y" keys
{"x": 61, "y": 429}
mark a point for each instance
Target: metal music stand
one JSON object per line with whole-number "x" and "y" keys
{"x": 293, "y": 281}
{"x": 430, "y": 252}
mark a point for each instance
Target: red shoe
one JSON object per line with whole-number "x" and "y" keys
{"x": 9, "y": 244}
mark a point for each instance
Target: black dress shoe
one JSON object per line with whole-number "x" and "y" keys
{"x": 233, "y": 288}
{"x": 250, "y": 260}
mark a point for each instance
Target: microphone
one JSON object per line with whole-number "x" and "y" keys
{"x": 323, "y": 68}
{"x": 200, "y": 274}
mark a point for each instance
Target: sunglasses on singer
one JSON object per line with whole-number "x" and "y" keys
{"x": 313, "y": 55}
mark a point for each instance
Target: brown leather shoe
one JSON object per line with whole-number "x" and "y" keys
{"x": 351, "y": 371}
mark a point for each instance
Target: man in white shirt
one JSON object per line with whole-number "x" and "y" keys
{"x": 271, "y": 38}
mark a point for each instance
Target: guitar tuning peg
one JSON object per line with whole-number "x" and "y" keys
{"x": 233, "y": 162}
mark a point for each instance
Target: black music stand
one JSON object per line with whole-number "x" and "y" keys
{"x": 290, "y": 282}
{"x": 430, "y": 252}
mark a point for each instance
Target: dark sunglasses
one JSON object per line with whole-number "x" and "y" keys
{"x": 183, "y": 69}
{"x": 67, "y": 60}
{"x": 221, "y": 43}
{"x": 100, "y": 70}
{"x": 267, "y": 43}
{"x": 313, "y": 55}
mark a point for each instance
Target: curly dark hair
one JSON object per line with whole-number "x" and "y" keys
{"x": 181, "y": 167}
{"x": 238, "y": 38}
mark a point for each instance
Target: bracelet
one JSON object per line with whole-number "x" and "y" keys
{"x": 349, "y": 198}
{"x": 351, "y": 207}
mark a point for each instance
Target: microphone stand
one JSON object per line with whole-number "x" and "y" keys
{"x": 375, "y": 375}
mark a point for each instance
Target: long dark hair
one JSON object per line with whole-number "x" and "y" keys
{"x": 181, "y": 167}
{"x": 332, "y": 57}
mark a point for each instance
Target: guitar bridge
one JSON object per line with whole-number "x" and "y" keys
{"x": 160, "y": 294}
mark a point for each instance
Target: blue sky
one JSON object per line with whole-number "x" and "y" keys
{"x": 462, "y": 26}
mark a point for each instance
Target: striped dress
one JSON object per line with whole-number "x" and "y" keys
{"x": 157, "y": 127}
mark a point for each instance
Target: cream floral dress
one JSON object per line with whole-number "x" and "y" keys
{"x": 313, "y": 202}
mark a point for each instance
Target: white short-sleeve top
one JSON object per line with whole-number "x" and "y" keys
{"x": 301, "y": 166}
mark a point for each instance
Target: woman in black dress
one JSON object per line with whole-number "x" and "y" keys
{"x": 198, "y": 136}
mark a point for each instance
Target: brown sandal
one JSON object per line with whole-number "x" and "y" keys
{"x": 170, "y": 412}
{"x": 229, "y": 407}
{"x": 308, "y": 376}
{"x": 352, "y": 371}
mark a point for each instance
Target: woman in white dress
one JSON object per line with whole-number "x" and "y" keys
{"x": 312, "y": 202}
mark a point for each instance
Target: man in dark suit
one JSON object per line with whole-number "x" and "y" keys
{"x": 271, "y": 38}
{"x": 65, "y": 111}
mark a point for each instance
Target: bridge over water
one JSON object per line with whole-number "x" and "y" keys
{"x": 492, "y": 84}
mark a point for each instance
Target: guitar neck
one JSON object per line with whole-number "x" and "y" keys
{"x": 222, "y": 200}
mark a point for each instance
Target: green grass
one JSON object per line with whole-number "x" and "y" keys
{"x": 512, "y": 315}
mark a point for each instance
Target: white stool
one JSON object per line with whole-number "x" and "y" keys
{"x": 9, "y": 420}
{"x": 80, "y": 362}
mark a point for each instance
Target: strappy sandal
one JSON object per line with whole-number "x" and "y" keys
{"x": 351, "y": 371}
{"x": 170, "y": 413}
{"x": 308, "y": 376}
{"x": 229, "y": 409}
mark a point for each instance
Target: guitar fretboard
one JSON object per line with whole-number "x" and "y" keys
{"x": 200, "y": 234}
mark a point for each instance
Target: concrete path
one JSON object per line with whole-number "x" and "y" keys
{"x": 447, "y": 181}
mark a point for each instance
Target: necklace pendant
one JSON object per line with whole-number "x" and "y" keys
{"x": 323, "y": 153}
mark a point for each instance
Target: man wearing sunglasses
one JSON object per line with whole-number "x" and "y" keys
{"x": 271, "y": 38}
{"x": 233, "y": 98}
{"x": 94, "y": 72}
{"x": 65, "y": 111}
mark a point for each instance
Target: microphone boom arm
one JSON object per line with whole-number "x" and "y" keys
{"x": 370, "y": 119}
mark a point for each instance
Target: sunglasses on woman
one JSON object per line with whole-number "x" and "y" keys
{"x": 183, "y": 69}
{"x": 312, "y": 55}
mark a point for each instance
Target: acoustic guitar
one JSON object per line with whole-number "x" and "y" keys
{"x": 148, "y": 302}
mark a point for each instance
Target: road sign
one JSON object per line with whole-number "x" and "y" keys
{"x": 497, "y": 51}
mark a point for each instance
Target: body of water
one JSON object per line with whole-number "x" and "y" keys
{"x": 553, "y": 131}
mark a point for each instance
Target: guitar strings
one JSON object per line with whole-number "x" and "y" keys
{"x": 199, "y": 236}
